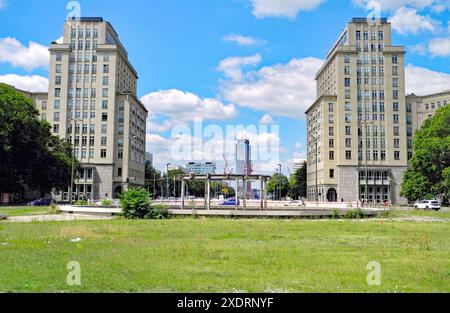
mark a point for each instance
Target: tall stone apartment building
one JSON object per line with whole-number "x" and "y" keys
{"x": 361, "y": 126}
{"x": 92, "y": 103}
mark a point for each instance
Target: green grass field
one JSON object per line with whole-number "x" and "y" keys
{"x": 25, "y": 210}
{"x": 224, "y": 255}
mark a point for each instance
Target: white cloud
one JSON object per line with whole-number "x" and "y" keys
{"x": 392, "y": 5}
{"x": 60, "y": 40}
{"x": 439, "y": 47}
{"x": 3, "y": 4}
{"x": 407, "y": 21}
{"x": 31, "y": 57}
{"x": 232, "y": 66}
{"x": 168, "y": 108}
{"x": 266, "y": 120}
{"x": 282, "y": 89}
{"x": 34, "y": 83}
{"x": 422, "y": 81}
{"x": 420, "y": 49}
{"x": 283, "y": 8}
{"x": 244, "y": 40}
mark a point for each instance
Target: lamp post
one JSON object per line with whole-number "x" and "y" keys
{"x": 167, "y": 179}
{"x": 316, "y": 161}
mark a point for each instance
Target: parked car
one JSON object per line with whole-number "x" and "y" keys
{"x": 428, "y": 205}
{"x": 296, "y": 203}
{"x": 40, "y": 202}
{"x": 230, "y": 202}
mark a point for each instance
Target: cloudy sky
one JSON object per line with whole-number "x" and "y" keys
{"x": 229, "y": 62}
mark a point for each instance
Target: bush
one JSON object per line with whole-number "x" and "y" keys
{"x": 353, "y": 214}
{"x": 81, "y": 202}
{"x": 135, "y": 203}
{"x": 107, "y": 202}
{"x": 158, "y": 212}
{"x": 336, "y": 214}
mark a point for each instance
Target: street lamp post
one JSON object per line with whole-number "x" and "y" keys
{"x": 167, "y": 180}
{"x": 316, "y": 161}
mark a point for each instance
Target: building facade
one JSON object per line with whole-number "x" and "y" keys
{"x": 199, "y": 168}
{"x": 357, "y": 125}
{"x": 361, "y": 127}
{"x": 92, "y": 103}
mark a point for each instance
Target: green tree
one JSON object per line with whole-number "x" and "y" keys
{"x": 297, "y": 182}
{"x": 153, "y": 181}
{"x": 428, "y": 174}
{"x": 278, "y": 186}
{"x": 29, "y": 154}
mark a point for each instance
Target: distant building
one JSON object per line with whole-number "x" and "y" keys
{"x": 243, "y": 160}
{"x": 149, "y": 159}
{"x": 298, "y": 164}
{"x": 199, "y": 168}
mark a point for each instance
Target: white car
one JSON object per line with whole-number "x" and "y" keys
{"x": 428, "y": 205}
{"x": 297, "y": 203}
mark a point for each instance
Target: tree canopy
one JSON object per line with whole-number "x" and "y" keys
{"x": 428, "y": 174}
{"x": 29, "y": 154}
{"x": 297, "y": 183}
{"x": 278, "y": 186}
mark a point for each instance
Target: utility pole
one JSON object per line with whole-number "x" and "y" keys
{"x": 167, "y": 180}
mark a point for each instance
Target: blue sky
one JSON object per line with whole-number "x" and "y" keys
{"x": 177, "y": 47}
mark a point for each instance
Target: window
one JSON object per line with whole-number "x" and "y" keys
{"x": 331, "y": 143}
{"x": 332, "y": 174}
{"x": 103, "y": 153}
{"x": 104, "y": 117}
{"x": 375, "y": 155}
{"x": 119, "y": 172}
{"x": 120, "y": 154}
{"x": 347, "y": 70}
{"x": 395, "y": 94}
{"x": 348, "y": 118}
{"x": 331, "y": 131}
{"x": 105, "y": 69}
{"x": 105, "y": 92}
{"x": 394, "y": 59}
{"x": 331, "y": 155}
{"x": 396, "y": 131}
{"x": 57, "y": 92}
{"x": 104, "y": 141}
{"x": 395, "y": 106}
{"x": 348, "y": 130}
{"x": 104, "y": 129}
{"x": 348, "y": 155}
{"x": 58, "y": 80}
{"x": 348, "y": 143}
{"x": 92, "y": 140}
{"x": 347, "y": 58}
{"x": 91, "y": 153}
{"x": 347, "y": 82}
{"x": 44, "y": 105}
{"x": 58, "y": 69}
{"x": 106, "y": 57}
{"x": 395, "y": 82}
{"x": 347, "y": 94}
{"x": 396, "y": 143}
{"x": 394, "y": 70}
{"x": 84, "y": 141}
{"x": 396, "y": 155}
{"x": 330, "y": 107}
{"x": 409, "y": 132}
{"x": 331, "y": 119}
{"x": 396, "y": 118}
{"x": 348, "y": 106}
{"x": 104, "y": 104}
{"x": 56, "y": 128}
{"x": 105, "y": 81}
{"x": 383, "y": 155}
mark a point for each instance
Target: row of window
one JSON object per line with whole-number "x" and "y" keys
{"x": 372, "y": 35}
{"x": 348, "y": 131}
{"x": 84, "y": 33}
{"x": 87, "y": 92}
{"x": 377, "y": 155}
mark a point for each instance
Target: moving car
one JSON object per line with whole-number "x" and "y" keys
{"x": 40, "y": 202}
{"x": 230, "y": 202}
{"x": 428, "y": 205}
